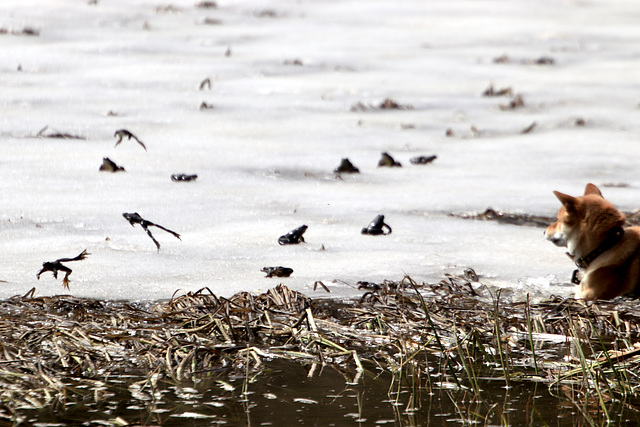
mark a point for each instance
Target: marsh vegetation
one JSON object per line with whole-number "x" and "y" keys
{"x": 404, "y": 353}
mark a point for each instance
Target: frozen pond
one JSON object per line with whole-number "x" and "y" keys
{"x": 295, "y": 87}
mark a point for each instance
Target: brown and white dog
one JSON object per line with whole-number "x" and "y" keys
{"x": 607, "y": 255}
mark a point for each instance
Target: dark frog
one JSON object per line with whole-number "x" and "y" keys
{"x": 109, "y": 165}
{"x": 293, "y": 237}
{"x": 422, "y": 160}
{"x": 377, "y": 227}
{"x": 55, "y": 266}
{"x": 387, "y": 161}
{"x": 369, "y": 286}
{"x": 277, "y": 271}
{"x": 346, "y": 167}
{"x": 181, "y": 177}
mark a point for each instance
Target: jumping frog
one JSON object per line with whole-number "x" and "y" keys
{"x": 123, "y": 133}
{"x": 55, "y": 266}
{"x": 134, "y": 218}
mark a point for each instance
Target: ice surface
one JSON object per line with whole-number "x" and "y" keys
{"x": 280, "y": 123}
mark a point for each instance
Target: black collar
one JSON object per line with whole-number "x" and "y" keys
{"x": 612, "y": 239}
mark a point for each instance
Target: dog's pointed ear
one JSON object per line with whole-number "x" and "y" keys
{"x": 591, "y": 189}
{"x": 569, "y": 202}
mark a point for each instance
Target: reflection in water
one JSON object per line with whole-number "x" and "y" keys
{"x": 312, "y": 394}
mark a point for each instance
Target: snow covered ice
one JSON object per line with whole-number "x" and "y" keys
{"x": 284, "y": 78}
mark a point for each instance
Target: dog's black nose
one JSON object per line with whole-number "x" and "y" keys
{"x": 555, "y": 240}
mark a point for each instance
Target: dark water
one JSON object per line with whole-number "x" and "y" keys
{"x": 289, "y": 393}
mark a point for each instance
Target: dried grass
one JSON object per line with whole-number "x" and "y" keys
{"x": 54, "y": 349}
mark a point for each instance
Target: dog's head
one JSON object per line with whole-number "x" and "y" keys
{"x": 583, "y": 220}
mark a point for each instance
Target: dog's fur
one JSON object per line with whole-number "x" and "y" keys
{"x": 583, "y": 224}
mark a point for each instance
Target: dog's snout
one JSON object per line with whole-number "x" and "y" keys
{"x": 554, "y": 239}
{"x": 555, "y": 236}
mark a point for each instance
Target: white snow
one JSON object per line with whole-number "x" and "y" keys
{"x": 266, "y": 151}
